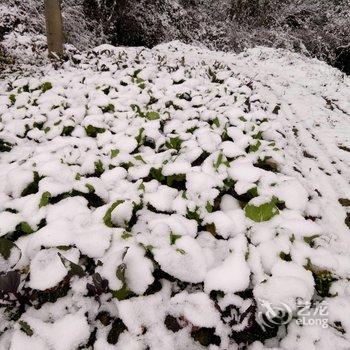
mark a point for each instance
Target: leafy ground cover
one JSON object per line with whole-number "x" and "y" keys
{"x": 149, "y": 199}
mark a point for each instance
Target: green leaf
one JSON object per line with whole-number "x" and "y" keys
{"x": 254, "y": 148}
{"x": 157, "y": 174}
{"x": 220, "y": 161}
{"x": 5, "y": 247}
{"x": 33, "y": 187}
{"x": 108, "y": 109}
{"x": 107, "y": 219}
{"x": 193, "y": 215}
{"x": 76, "y": 270}
{"x": 138, "y": 157}
{"x": 137, "y": 109}
{"x": 263, "y": 212}
{"x": 124, "y": 292}
{"x": 216, "y": 122}
{"x": 67, "y": 130}
{"x": 126, "y": 235}
{"x": 26, "y": 328}
{"x": 114, "y": 153}
{"x": 46, "y": 86}
{"x": 174, "y": 143}
{"x": 90, "y": 188}
{"x": 253, "y": 192}
{"x": 99, "y": 168}
{"x": 26, "y": 228}
{"x": 140, "y": 137}
{"x": 175, "y": 178}
{"x": 209, "y": 207}
{"x": 12, "y": 98}
{"x": 310, "y": 240}
{"x": 258, "y": 135}
{"x": 152, "y": 115}
{"x": 92, "y": 131}
{"x": 142, "y": 187}
{"x": 45, "y": 199}
{"x": 174, "y": 238}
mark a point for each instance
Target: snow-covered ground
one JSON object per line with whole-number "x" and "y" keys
{"x": 158, "y": 199}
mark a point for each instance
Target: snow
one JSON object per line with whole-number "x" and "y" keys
{"x": 232, "y": 275}
{"x": 46, "y": 270}
{"x": 141, "y": 172}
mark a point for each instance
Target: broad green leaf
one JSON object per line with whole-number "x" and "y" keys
{"x": 46, "y": 86}
{"x": 152, "y": 115}
{"x": 25, "y": 227}
{"x": 263, "y": 212}
{"x": 114, "y": 153}
{"x": 45, "y": 199}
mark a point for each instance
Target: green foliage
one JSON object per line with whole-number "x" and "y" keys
{"x": 124, "y": 292}
{"x": 90, "y": 188}
{"x": 152, "y": 115}
{"x": 107, "y": 219}
{"x": 138, "y": 111}
{"x": 284, "y": 256}
{"x": 157, "y": 174}
{"x": 254, "y": 148}
{"x": 209, "y": 207}
{"x": 108, "y": 109}
{"x": 174, "y": 237}
{"x": 310, "y": 240}
{"x": 99, "y": 168}
{"x": 67, "y": 130}
{"x": 45, "y": 199}
{"x": 126, "y": 235}
{"x": 5, "y": 247}
{"x": 193, "y": 215}
{"x": 46, "y": 86}
{"x": 114, "y": 153}
{"x": 139, "y": 158}
{"x": 176, "y": 180}
{"x": 220, "y": 161}
{"x": 140, "y": 138}
{"x": 174, "y": 143}
{"x": 258, "y": 135}
{"x": 26, "y": 328}
{"x": 24, "y": 227}
{"x": 92, "y": 131}
{"x": 263, "y": 212}
{"x": 33, "y": 187}
{"x": 216, "y": 122}
{"x": 12, "y": 98}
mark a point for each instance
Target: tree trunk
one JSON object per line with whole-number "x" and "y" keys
{"x": 54, "y": 30}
